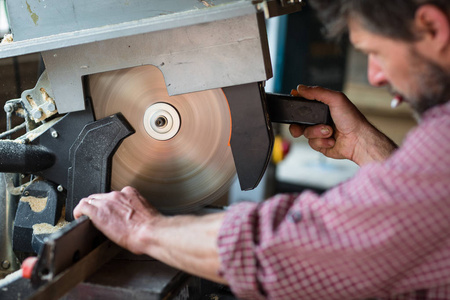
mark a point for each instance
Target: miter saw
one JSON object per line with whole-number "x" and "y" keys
{"x": 165, "y": 96}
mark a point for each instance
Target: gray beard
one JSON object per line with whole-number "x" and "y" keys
{"x": 433, "y": 85}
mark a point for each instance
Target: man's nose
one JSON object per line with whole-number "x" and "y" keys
{"x": 375, "y": 73}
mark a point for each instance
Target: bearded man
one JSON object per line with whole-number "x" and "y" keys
{"x": 382, "y": 234}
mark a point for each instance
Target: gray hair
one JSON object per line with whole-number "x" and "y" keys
{"x": 390, "y": 18}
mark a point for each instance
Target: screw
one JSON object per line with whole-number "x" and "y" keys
{"x": 27, "y": 193}
{"x": 6, "y": 264}
{"x": 60, "y": 188}
{"x": 54, "y": 133}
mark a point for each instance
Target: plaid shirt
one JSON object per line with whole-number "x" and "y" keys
{"x": 384, "y": 233}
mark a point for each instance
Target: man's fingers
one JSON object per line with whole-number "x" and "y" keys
{"x": 130, "y": 191}
{"x": 318, "y": 132}
{"x": 311, "y": 132}
{"x": 86, "y": 206}
{"x": 320, "y": 94}
{"x": 296, "y": 130}
{"x": 319, "y": 144}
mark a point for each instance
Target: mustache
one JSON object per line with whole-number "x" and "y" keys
{"x": 392, "y": 91}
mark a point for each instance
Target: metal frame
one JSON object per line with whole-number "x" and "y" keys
{"x": 49, "y": 36}
{"x": 193, "y": 58}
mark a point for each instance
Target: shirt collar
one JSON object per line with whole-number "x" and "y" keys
{"x": 436, "y": 111}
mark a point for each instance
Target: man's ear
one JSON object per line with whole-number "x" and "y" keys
{"x": 433, "y": 28}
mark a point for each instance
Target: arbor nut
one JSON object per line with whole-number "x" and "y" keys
{"x": 6, "y": 264}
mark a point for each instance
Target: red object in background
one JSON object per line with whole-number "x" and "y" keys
{"x": 286, "y": 147}
{"x": 27, "y": 266}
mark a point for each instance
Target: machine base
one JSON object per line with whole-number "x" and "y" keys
{"x": 140, "y": 277}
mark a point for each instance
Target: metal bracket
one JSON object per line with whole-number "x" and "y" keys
{"x": 38, "y": 102}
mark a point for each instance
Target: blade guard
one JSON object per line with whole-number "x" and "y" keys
{"x": 251, "y": 133}
{"x": 96, "y": 145}
{"x": 252, "y": 139}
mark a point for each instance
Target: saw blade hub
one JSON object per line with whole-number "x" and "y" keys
{"x": 162, "y": 121}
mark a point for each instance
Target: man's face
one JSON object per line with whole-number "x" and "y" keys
{"x": 399, "y": 66}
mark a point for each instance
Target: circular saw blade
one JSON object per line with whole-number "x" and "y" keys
{"x": 179, "y": 174}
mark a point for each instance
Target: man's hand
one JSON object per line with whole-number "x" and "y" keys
{"x": 186, "y": 242}
{"x": 120, "y": 216}
{"x": 353, "y": 137}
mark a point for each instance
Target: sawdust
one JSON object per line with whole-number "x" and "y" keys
{"x": 7, "y": 39}
{"x": 205, "y": 3}
{"x": 36, "y": 204}
{"x": 45, "y": 228}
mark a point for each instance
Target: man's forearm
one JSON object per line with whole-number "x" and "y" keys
{"x": 185, "y": 242}
{"x": 373, "y": 146}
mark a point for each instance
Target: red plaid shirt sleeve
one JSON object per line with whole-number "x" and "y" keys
{"x": 384, "y": 233}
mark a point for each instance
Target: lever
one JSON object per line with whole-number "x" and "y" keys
{"x": 297, "y": 110}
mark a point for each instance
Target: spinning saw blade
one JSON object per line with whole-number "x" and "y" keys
{"x": 179, "y": 158}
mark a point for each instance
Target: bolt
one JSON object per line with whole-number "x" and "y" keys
{"x": 6, "y": 264}
{"x": 50, "y": 107}
{"x": 9, "y": 108}
{"x": 27, "y": 193}
{"x": 60, "y": 188}
{"x": 36, "y": 114}
{"x": 54, "y": 133}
